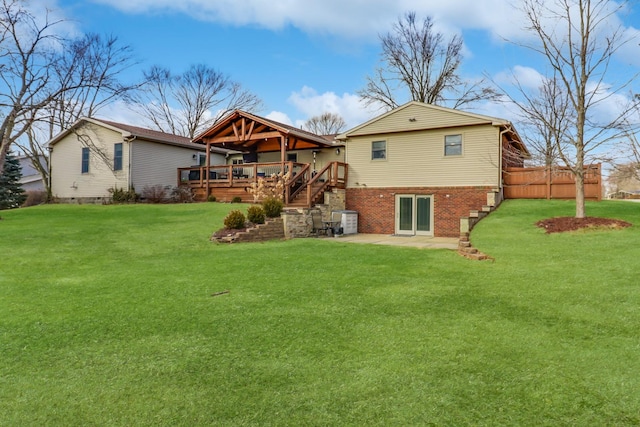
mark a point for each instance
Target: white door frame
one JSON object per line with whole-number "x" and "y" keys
{"x": 402, "y": 229}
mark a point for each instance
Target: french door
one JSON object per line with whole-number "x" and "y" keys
{"x": 414, "y": 214}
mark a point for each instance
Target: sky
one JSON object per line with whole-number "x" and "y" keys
{"x": 305, "y": 57}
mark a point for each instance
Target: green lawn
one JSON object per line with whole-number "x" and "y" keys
{"x": 107, "y": 318}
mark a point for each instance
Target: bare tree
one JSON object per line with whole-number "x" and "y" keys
{"x": 48, "y": 79}
{"x": 625, "y": 176}
{"x": 325, "y": 124}
{"x": 545, "y": 115}
{"x": 578, "y": 40}
{"x": 97, "y": 63}
{"x": 187, "y": 104}
{"x": 420, "y": 65}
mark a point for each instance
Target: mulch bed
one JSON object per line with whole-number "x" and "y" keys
{"x": 569, "y": 223}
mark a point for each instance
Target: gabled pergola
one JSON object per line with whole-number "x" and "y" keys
{"x": 247, "y": 133}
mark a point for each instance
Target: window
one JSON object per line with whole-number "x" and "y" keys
{"x": 85, "y": 159}
{"x": 378, "y": 150}
{"x": 202, "y": 159}
{"x": 453, "y": 145}
{"x": 292, "y": 157}
{"x": 117, "y": 156}
{"x": 237, "y": 162}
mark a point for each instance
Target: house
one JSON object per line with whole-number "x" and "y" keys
{"x": 31, "y": 179}
{"x": 266, "y": 148}
{"x": 95, "y": 155}
{"x": 420, "y": 168}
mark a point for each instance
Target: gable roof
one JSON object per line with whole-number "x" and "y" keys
{"x": 439, "y": 117}
{"x": 135, "y": 132}
{"x": 417, "y": 116}
{"x": 243, "y": 131}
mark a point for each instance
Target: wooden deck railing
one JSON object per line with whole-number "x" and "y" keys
{"x": 302, "y": 181}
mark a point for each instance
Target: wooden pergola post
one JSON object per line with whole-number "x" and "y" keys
{"x": 208, "y": 162}
{"x": 283, "y": 152}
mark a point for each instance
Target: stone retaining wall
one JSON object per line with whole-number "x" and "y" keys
{"x": 272, "y": 229}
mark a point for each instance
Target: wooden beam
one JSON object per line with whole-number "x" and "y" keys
{"x": 254, "y": 137}
{"x": 250, "y": 129}
{"x": 235, "y": 131}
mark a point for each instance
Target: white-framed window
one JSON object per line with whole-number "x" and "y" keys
{"x": 453, "y": 145}
{"x": 202, "y": 159}
{"x": 117, "y": 156}
{"x": 378, "y": 150}
{"x": 85, "y": 159}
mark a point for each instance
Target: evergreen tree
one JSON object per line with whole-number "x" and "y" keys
{"x": 11, "y": 193}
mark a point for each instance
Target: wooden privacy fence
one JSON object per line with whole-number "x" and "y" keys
{"x": 551, "y": 183}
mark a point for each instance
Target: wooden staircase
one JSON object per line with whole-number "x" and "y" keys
{"x": 300, "y": 199}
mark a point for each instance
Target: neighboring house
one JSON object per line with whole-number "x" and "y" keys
{"x": 31, "y": 179}
{"x": 94, "y": 155}
{"x": 420, "y": 168}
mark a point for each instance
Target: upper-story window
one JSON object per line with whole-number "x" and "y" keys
{"x": 117, "y": 156}
{"x": 85, "y": 159}
{"x": 378, "y": 150}
{"x": 453, "y": 145}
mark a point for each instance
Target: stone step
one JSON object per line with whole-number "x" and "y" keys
{"x": 468, "y": 250}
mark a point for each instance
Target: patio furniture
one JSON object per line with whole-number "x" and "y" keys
{"x": 320, "y": 226}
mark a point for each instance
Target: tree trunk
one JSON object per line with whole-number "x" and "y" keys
{"x": 580, "y": 207}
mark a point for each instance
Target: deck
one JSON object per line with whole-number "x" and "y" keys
{"x": 305, "y": 188}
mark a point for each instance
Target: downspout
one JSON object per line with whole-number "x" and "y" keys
{"x": 49, "y": 180}
{"x": 507, "y": 128}
{"x": 129, "y": 139}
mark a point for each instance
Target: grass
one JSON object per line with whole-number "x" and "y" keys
{"x": 107, "y": 318}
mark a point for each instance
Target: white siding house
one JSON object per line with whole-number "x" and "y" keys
{"x": 95, "y": 155}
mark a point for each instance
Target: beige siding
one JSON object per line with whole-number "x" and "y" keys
{"x": 323, "y": 157}
{"x": 416, "y": 159}
{"x": 425, "y": 117}
{"x": 67, "y": 179}
{"x": 157, "y": 164}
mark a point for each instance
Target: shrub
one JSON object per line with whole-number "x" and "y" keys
{"x": 35, "y": 197}
{"x": 154, "y": 193}
{"x": 120, "y": 195}
{"x": 234, "y": 220}
{"x": 272, "y": 207}
{"x": 211, "y": 198}
{"x": 255, "y": 214}
{"x": 274, "y": 188}
{"x": 181, "y": 194}
{"x": 236, "y": 199}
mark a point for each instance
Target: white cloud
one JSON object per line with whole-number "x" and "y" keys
{"x": 351, "y": 18}
{"x": 311, "y": 103}
{"x": 279, "y": 116}
{"x": 526, "y": 77}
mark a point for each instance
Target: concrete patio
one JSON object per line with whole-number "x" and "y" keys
{"x": 425, "y": 242}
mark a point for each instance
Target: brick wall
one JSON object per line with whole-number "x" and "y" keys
{"x": 376, "y": 207}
